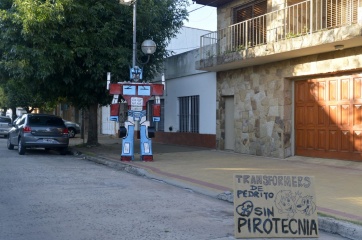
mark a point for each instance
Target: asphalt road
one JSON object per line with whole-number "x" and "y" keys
{"x": 44, "y": 195}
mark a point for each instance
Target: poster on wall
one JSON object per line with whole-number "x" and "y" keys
{"x": 269, "y": 206}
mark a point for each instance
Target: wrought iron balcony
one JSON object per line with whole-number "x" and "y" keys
{"x": 305, "y": 28}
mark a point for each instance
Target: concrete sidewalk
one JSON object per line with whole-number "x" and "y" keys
{"x": 338, "y": 183}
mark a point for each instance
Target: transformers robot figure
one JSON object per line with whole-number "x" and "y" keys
{"x": 136, "y": 95}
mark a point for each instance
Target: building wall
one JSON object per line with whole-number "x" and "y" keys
{"x": 186, "y": 40}
{"x": 182, "y": 80}
{"x": 264, "y": 104}
{"x": 203, "y": 85}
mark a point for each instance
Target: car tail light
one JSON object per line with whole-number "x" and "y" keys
{"x": 65, "y": 131}
{"x": 27, "y": 129}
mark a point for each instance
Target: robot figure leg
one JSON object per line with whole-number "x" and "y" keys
{"x": 146, "y": 142}
{"x": 128, "y": 143}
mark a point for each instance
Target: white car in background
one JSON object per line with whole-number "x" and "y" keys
{"x": 73, "y": 128}
{"x": 5, "y": 125}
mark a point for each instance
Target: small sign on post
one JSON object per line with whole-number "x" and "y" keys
{"x": 269, "y": 206}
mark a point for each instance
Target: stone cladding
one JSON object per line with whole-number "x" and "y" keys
{"x": 263, "y": 99}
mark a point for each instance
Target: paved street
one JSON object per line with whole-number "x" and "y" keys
{"x": 49, "y": 196}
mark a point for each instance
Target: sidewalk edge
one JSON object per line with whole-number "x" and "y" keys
{"x": 327, "y": 224}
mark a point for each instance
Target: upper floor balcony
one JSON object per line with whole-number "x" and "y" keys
{"x": 306, "y": 28}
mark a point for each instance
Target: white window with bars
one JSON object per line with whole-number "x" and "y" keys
{"x": 189, "y": 117}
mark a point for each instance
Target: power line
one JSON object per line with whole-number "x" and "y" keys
{"x": 196, "y": 9}
{"x": 203, "y": 6}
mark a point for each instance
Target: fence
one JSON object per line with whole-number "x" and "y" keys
{"x": 293, "y": 21}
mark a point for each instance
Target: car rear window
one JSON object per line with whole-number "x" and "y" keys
{"x": 45, "y": 120}
{"x": 6, "y": 120}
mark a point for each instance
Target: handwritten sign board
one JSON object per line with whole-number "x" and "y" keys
{"x": 270, "y": 206}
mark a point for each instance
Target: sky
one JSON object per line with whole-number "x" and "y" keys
{"x": 201, "y": 17}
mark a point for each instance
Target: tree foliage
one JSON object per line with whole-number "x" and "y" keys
{"x": 3, "y": 99}
{"x": 26, "y": 96}
{"x": 66, "y": 47}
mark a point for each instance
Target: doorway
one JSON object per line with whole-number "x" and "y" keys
{"x": 229, "y": 123}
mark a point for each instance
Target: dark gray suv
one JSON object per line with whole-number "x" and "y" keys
{"x": 39, "y": 131}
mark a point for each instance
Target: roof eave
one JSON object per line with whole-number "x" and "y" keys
{"x": 213, "y": 3}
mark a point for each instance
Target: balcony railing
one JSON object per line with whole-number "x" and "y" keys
{"x": 293, "y": 21}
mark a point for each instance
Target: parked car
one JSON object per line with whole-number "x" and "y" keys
{"x": 73, "y": 128}
{"x": 5, "y": 125}
{"x": 38, "y": 131}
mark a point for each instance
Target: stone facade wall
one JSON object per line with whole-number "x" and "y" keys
{"x": 263, "y": 97}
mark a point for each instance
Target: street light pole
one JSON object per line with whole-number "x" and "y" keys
{"x": 134, "y": 34}
{"x": 134, "y": 47}
{"x": 148, "y": 46}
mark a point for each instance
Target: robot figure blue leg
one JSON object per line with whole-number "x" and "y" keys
{"x": 146, "y": 145}
{"x": 128, "y": 145}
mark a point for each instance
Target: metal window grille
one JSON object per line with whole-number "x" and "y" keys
{"x": 189, "y": 109}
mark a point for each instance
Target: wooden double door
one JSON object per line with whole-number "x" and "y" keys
{"x": 328, "y": 117}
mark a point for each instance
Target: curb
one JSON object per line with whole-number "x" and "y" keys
{"x": 326, "y": 224}
{"x": 344, "y": 229}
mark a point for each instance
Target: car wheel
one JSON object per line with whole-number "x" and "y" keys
{"x": 63, "y": 151}
{"x": 21, "y": 148}
{"x": 9, "y": 145}
{"x": 71, "y": 132}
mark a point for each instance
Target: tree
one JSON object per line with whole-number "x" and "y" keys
{"x": 2, "y": 99}
{"x": 17, "y": 89}
{"x": 27, "y": 96}
{"x": 67, "y": 46}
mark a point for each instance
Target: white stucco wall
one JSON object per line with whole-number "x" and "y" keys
{"x": 202, "y": 84}
{"x": 186, "y": 40}
{"x": 182, "y": 80}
